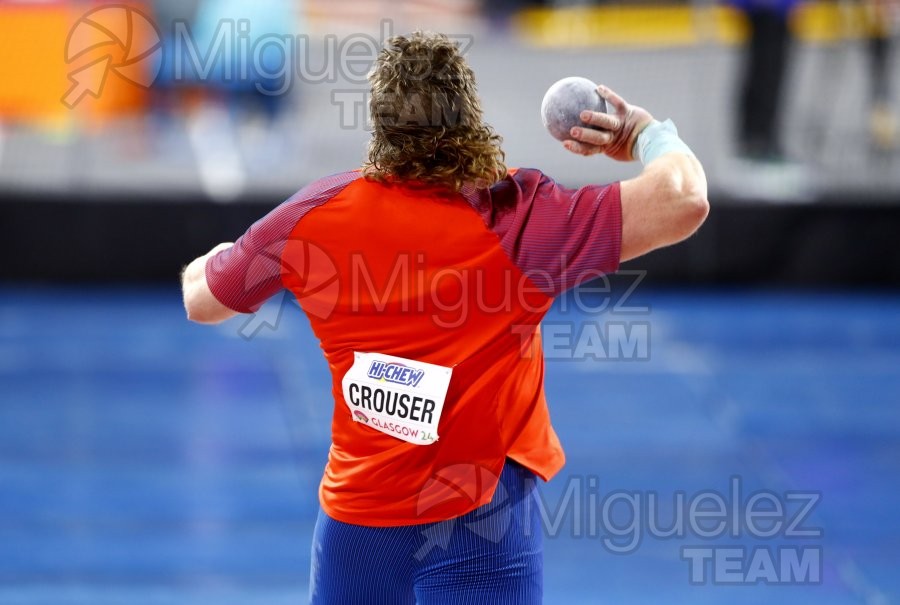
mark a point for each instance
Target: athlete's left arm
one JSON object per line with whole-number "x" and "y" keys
{"x": 199, "y": 302}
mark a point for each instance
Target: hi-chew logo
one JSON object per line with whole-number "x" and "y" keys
{"x": 396, "y": 373}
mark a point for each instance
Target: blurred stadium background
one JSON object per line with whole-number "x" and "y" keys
{"x": 147, "y": 460}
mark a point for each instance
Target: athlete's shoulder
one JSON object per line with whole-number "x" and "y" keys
{"x": 323, "y": 189}
{"x": 276, "y": 225}
{"x": 520, "y": 184}
{"x": 524, "y": 174}
{"x": 518, "y": 187}
{"x": 533, "y": 185}
{"x": 314, "y": 195}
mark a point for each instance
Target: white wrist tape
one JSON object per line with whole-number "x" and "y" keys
{"x": 658, "y": 139}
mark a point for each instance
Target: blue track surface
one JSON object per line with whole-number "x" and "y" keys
{"x": 146, "y": 460}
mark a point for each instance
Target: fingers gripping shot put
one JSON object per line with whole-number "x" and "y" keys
{"x": 565, "y": 100}
{"x": 439, "y": 414}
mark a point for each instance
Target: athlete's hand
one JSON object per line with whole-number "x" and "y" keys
{"x": 620, "y": 128}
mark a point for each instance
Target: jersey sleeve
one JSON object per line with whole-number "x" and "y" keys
{"x": 246, "y": 275}
{"x": 559, "y": 237}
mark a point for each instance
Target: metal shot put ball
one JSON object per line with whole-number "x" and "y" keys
{"x": 564, "y": 102}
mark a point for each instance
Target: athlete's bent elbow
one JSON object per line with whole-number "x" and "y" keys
{"x": 699, "y": 210}
{"x": 694, "y": 210}
{"x": 194, "y": 312}
{"x": 204, "y": 316}
{"x": 195, "y": 315}
{"x": 203, "y": 311}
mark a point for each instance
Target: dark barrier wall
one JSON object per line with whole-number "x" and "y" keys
{"x": 148, "y": 239}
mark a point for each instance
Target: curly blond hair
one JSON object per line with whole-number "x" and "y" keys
{"x": 427, "y": 117}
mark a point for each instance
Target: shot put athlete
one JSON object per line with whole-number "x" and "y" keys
{"x": 425, "y": 275}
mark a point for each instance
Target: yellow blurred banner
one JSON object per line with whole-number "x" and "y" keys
{"x": 673, "y": 25}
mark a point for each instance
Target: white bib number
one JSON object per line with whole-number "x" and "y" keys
{"x": 401, "y": 397}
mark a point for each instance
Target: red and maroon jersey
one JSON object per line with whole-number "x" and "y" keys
{"x": 459, "y": 280}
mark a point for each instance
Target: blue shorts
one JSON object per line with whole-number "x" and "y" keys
{"x": 491, "y": 555}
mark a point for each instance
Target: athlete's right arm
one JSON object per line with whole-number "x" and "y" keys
{"x": 664, "y": 205}
{"x": 667, "y": 202}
